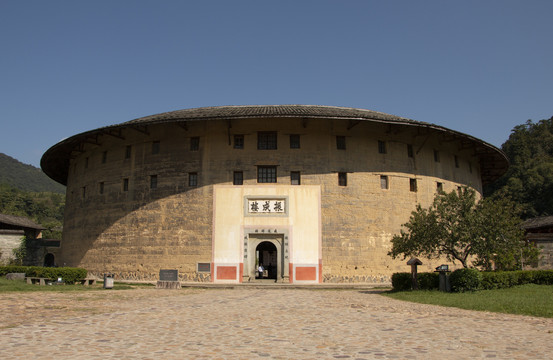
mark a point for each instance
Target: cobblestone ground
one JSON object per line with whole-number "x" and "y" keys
{"x": 257, "y": 323}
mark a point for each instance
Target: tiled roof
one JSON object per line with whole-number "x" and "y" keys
{"x": 55, "y": 161}
{"x": 538, "y": 222}
{"x": 249, "y": 111}
{"x": 12, "y": 221}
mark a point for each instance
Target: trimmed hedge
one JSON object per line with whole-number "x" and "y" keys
{"x": 68, "y": 274}
{"x": 471, "y": 279}
{"x": 462, "y": 280}
{"x": 428, "y": 281}
{"x": 401, "y": 281}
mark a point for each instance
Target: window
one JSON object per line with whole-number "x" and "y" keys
{"x": 126, "y": 184}
{"x": 155, "y": 147}
{"x": 413, "y": 185}
{"x": 128, "y": 150}
{"x": 439, "y": 187}
{"x": 101, "y": 188}
{"x": 86, "y": 163}
{"x": 384, "y": 182}
{"x": 436, "y": 156}
{"x": 381, "y": 147}
{"x": 238, "y": 141}
{"x": 238, "y": 178}
{"x": 193, "y": 179}
{"x": 342, "y": 179}
{"x": 104, "y": 157}
{"x": 341, "y": 142}
{"x": 194, "y": 143}
{"x": 410, "y": 150}
{"x": 266, "y": 174}
{"x": 266, "y": 140}
{"x": 470, "y": 167}
{"x": 294, "y": 141}
{"x": 295, "y": 178}
{"x": 153, "y": 181}
{"x": 83, "y": 192}
{"x": 456, "y": 161}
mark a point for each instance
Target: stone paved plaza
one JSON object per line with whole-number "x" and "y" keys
{"x": 246, "y": 323}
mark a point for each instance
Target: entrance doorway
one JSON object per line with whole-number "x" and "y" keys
{"x": 269, "y": 250}
{"x": 266, "y": 256}
{"x": 49, "y": 260}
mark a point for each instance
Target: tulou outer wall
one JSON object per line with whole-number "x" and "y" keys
{"x": 134, "y": 230}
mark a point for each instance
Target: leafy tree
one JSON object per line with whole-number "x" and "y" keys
{"x": 459, "y": 228}
{"x": 529, "y": 180}
{"x": 44, "y": 208}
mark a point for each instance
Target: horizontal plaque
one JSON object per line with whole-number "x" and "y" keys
{"x": 266, "y": 206}
{"x": 204, "y": 267}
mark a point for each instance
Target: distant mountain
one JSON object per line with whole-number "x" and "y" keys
{"x": 26, "y": 177}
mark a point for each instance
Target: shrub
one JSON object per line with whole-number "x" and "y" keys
{"x": 428, "y": 281}
{"x": 68, "y": 274}
{"x": 465, "y": 280}
{"x": 401, "y": 281}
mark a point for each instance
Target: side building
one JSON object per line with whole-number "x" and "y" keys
{"x": 313, "y": 193}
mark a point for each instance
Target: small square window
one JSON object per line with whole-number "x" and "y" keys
{"x": 341, "y": 142}
{"x": 436, "y": 156}
{"x": 266, "y": 140}
{"x": 294, "y": 141}
{"x": 410, "y": 150}
{"x": 266, "y": 174}
{"x": 194, "y": 143}
{"x": 128, "y": 150}
{"x": 295, "y": 178}
{"x": 238, "y": 141}
{"x": 381, "y": 147}
{"x": 153, "y": 181}
{"x": 101, "y": 188}
{"x": 155, "y": 147}
{"x": 238, "y": 178}
{"x": 126, "y": 184}
{"x": 439, "y": 187}
{"x": 104, "y": 157}
{"x": 456, "y": 161}
{"x": 384, "y": 182}
{"x": 193, "y": 179}
{"x": 413, "y": 185}
{"x": 342, "y": 179}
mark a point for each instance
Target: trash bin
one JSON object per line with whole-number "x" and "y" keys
{"x": 443, "y": 270}
{"x": 108, "y": 281}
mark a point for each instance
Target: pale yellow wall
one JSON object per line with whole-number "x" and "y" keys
{"x": 135, "y": 233}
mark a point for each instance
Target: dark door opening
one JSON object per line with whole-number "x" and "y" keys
{"x": 49, "y": 260}
{"x": 266, "y": 253}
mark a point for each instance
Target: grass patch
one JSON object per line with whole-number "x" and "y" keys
{"x": 22, "y": 286}
{"x": 530, "y": 299}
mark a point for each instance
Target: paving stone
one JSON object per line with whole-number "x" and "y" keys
{"x": 246, "y": 323}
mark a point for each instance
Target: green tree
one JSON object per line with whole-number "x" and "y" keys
{"x": 529, "y": 180}
{"x": 459, "y": 228}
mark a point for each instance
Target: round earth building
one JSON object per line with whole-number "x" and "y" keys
{"x": 312, "y": 193}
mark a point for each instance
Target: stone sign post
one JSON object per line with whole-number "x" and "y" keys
{"x": 414, "y": 262}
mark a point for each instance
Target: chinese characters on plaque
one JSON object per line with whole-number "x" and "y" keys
{"x": 263, "y": 206}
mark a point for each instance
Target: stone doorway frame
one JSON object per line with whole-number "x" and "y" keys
{"x": 277, "y": 237}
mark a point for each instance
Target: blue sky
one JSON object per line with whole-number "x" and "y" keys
{"x": 479, "y": 67}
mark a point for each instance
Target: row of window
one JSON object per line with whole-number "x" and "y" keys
{"x": 267, "y": 140}
{"x": 265, "y": 174}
